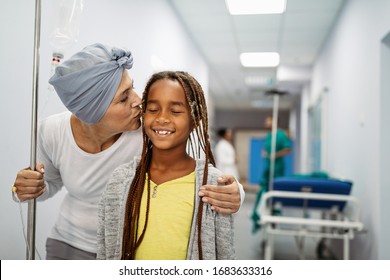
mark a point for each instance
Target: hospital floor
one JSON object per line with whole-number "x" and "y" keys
{"x": 248, "y": 245}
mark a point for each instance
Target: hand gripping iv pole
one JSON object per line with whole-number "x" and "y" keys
{"x": 32, "y": 203}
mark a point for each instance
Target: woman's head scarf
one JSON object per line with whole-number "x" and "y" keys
{"x": 87, "y": 82}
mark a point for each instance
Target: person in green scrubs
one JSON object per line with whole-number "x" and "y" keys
{"x": 282, "y": 148}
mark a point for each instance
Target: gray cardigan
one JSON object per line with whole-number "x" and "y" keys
{"x": 217, "y": 229}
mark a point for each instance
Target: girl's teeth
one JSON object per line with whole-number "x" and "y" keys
{"x": 163, "y": 132}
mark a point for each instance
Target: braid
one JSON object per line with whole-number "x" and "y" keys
{"x": 200, "y": 137}
{"x": 197, "y": 102}
{"x": 133, "y": 203}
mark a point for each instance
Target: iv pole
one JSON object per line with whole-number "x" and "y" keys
{"x": 273, "y": 142}
{"x": 276, "y": 94}
{"x": 34, "y": 112}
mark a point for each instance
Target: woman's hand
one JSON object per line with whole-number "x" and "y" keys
{"x": 225, "y": 199}
{"x": 29, "y": 184}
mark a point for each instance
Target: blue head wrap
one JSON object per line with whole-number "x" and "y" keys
{"x": 87, "y": 82}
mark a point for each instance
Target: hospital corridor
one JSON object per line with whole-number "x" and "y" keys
{"x": 115, "y": 113}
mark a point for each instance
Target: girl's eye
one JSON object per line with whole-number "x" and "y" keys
{"x": 177, "y": 110}
{"x": 152, "y": 110}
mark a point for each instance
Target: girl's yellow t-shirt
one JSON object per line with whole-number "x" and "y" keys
{"x": 170, "y": 218}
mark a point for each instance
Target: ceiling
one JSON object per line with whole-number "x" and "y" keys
{"x": 297, "y": 35}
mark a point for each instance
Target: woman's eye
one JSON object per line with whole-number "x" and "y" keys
{"x": 124, "y": 99}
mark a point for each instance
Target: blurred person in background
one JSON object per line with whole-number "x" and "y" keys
{"x": 282, "y": 148}
{"x": 225, "y": 154}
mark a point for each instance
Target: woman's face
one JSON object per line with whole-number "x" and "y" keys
{"x": 124, "y": 112}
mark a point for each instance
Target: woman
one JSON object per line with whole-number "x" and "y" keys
{"x": 80, "y": 149}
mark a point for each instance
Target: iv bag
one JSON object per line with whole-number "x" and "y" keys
{"x": 67, "y": 14}
{"x": 66, "y": 21}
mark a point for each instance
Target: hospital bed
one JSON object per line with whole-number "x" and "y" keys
{"x": 309, "y": 207}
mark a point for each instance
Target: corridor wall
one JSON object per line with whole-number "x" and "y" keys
{"x": 350, "y": 68}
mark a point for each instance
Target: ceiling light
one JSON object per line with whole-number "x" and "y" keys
{"x": 254, "y": 81}
{"x": 257, "y": 59}
{"x": 250, "y": 7}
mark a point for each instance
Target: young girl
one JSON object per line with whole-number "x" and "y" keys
{"x": 150, "y": 209}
